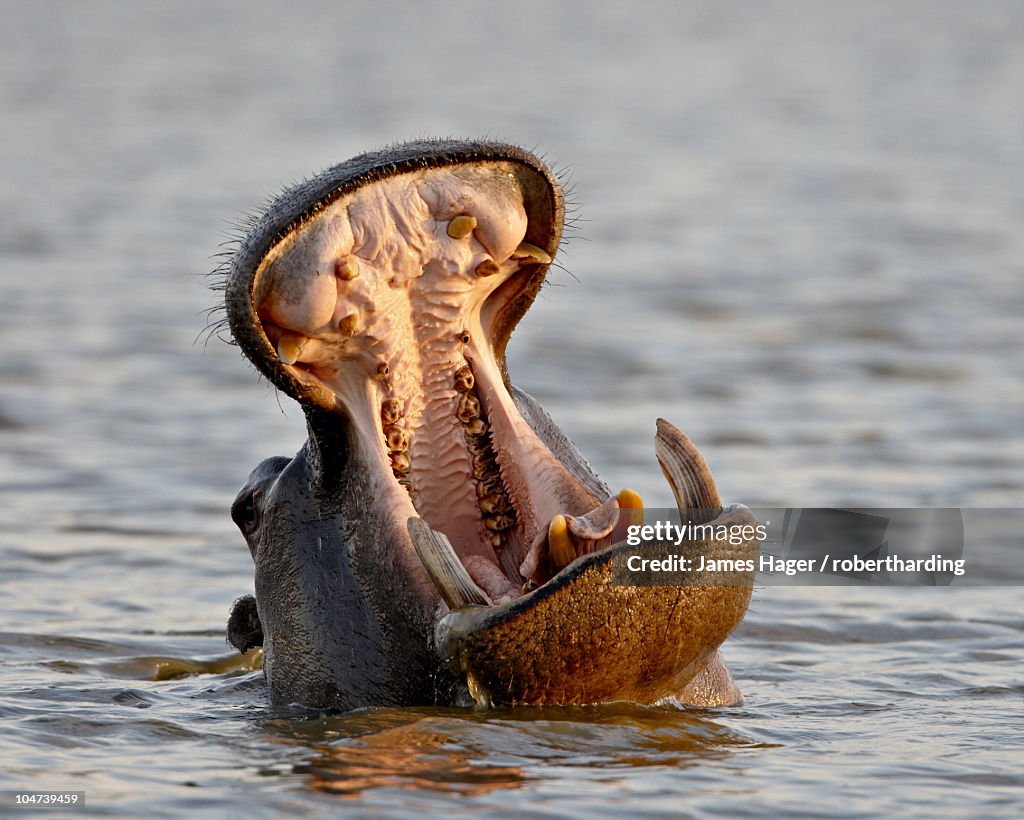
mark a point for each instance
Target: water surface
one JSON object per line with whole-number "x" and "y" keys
{"x": 798, "y": 237}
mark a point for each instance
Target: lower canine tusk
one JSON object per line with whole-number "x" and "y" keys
{"x": 687, "y": 473}
{"x": 444, "y": 567}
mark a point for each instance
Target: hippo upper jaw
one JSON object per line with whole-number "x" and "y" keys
{"x": 381, "y": 295}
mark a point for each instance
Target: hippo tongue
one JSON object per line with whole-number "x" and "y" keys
{"x": 568, "y": 536}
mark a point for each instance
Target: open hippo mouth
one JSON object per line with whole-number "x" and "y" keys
{"x": 381, "y": 295}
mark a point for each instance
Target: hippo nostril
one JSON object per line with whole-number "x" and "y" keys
{"x": 244, "y": 630}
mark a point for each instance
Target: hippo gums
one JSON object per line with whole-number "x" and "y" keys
{"x": 438, "y": 539}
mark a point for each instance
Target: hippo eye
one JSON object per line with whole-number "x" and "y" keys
{"x": 245, "y": 512}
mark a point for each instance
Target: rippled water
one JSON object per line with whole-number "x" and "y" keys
{"x": 799, "y": 239}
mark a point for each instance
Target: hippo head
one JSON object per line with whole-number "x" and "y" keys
{"x": 438, "y": 538}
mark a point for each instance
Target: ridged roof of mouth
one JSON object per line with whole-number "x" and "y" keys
{"x": 385, "y": 291}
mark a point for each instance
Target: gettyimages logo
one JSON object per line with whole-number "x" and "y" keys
{"x": 795, "y": 546}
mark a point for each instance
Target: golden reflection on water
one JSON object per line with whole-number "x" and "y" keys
{"x": 414, "y": 757}
{"x": 165, "y": 667}
{"x": 457, "y": 751}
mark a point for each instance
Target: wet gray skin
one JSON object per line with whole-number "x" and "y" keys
{"x": 438, "y": 539}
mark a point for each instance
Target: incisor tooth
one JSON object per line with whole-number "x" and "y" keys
{"x": 347, "y": 269}
{"x": 289, "y": 347}
{"x": 461, "y": 226}
{"x": 487, "y": 268}
{"x": 528, "y": 251}
{"x": 632, "y": 506}
{"x": 559, "y": 543}
{"x": 349, "y": 324}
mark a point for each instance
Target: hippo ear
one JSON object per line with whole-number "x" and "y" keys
{"x": 244, "y": 628}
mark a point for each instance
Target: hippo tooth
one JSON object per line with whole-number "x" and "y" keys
{"x": 461, "y": 226}
{"x": 469, "y": 407}
{"x": 487, "y": 268}
{"x": 397, "y": 438}
{"x": 390, "y": 411}
{"x": 632, "y": 506}
{"x": 443, "y": 566}
{"x": 499, "y": 523}
{"x": 560, "y": 544}
{"x": 488, "y": 486}
{"x": 495, "y": 504}
{"x": 347, "y": 269}
{"x": 464, "y": 379}
{"x": 289, "y": 347}
{"x": 532, "y": 252}
{"x": 687, "y": 473}
{"x": 348, "y": 325}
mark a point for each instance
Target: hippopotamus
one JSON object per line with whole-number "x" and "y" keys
{"x": 438, "y": 539}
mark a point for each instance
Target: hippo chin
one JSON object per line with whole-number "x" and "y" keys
{"x": 438, "y": 540}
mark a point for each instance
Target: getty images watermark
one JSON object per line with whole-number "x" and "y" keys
{"x": 818, "y": 546}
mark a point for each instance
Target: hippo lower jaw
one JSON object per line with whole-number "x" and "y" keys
{"x": 583, "y": 637}
{"x": 381, "y": 296}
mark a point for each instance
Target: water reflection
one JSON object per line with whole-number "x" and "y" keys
{"x": 469, "y": 752}
{"x": 410, "y": 757}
